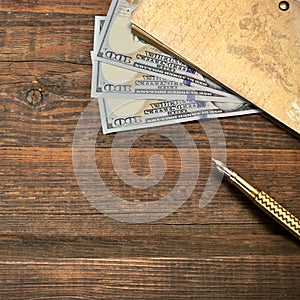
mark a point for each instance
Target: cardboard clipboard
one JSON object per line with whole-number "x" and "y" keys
{"x": 251, "y": 47}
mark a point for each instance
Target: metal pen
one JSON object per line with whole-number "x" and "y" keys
{"x": 262, "y": 200}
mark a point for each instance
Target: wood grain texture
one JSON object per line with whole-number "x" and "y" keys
{"x": 55, "y": 245}
{"x": 150, "y": 278}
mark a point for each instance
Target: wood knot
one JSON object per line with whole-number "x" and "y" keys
{"x": 34, "y": 97}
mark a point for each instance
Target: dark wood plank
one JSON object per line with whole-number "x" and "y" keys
{"x": 22, "y": 125}
{"x": 56, "y": 6}
{"x": 54, "y": 244}
{"x": 202, "y": 278}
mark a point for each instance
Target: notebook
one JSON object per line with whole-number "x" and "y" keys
{"x": 250, "y": 47}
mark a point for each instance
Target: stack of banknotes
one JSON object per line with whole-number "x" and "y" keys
{"x": 138, "y": 86}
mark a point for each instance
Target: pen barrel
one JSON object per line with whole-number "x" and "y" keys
{"x": 243, "y": 185}
{"x": 278, "y": 213}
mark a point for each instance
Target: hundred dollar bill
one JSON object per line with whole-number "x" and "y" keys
{"x": 118, "y": 46}
{"x": 98, "y": 26}
{"x": 110, "y": 79}
{"x": 113, "y": 80}
{"x": 118, "y": 82}
{"x": 124, "y": 114}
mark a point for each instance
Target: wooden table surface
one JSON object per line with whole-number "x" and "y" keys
{"x": 54, "y": 244}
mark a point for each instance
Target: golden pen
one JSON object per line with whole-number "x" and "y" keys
{"x": 262, "y": 200}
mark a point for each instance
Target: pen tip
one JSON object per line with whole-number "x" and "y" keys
{"x": 220, "y": 166}
{"x": 217, "y": 162}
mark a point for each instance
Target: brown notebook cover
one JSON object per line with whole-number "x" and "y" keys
{"x": 251, "y": 47}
